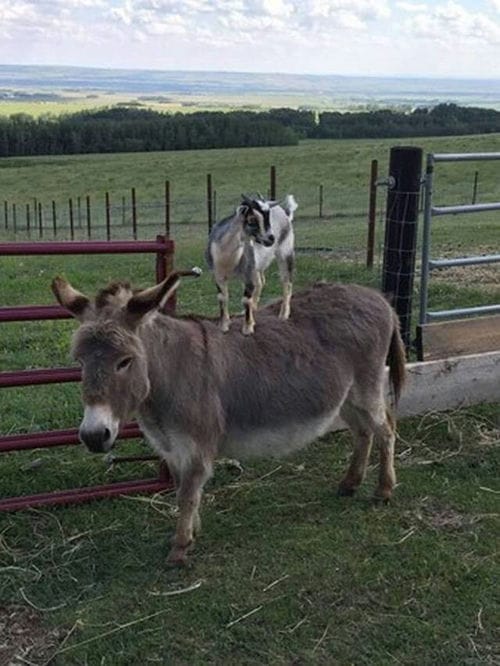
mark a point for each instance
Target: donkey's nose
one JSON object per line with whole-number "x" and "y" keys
{"x": 96, "y": 440}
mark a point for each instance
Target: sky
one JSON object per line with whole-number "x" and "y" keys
{"x": 440, "y": 38}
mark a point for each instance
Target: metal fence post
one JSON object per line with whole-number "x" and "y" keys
{"x": 89, "y": 223}
{"x": 474, "y": 187}
{"x": 54, "y": 219}
{"x": 320, "y": 201}
{"x": 71, "y": 220}
{"x": 405, "y": 171}
{"x": 108, "y": 218}
{"x": 426, "y": 239}
{"x": 6, "y": 214}
{"x": 372, "y": 214}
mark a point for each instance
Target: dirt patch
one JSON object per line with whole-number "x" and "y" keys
{"x": 23, "y": 637}
{"x": 487, "y": 277}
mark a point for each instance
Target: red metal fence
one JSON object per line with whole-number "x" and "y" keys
{"x": 164, "y": 251}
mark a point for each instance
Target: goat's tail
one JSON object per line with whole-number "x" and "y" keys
{"x": 396, "y": 359}
{"x": 289, "y": 206}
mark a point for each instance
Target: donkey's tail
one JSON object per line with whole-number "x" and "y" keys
{"x": 396, "y": 359}
{"x": 289, "y": 206}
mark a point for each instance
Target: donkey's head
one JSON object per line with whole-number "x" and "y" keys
{"x": 112, "y": 356}
{"x": 256, "y": 215}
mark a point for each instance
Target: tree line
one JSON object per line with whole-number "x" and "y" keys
{"x": 124, "y": 129}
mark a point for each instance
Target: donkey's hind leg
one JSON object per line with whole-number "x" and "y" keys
{"x": 366, "y": 422}
{"x": 363, "y": 439}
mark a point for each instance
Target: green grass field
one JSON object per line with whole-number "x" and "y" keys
{"x": 284, "y": 572}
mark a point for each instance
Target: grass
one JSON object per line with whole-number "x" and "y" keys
{"x": 284, "y": 572}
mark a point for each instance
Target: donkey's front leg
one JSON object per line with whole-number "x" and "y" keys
{"x": 249, "y": 304}
{"x": 189, "y": 492}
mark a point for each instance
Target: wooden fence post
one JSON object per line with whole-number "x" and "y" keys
{"x": 167, "y": 209}
{"x": 54, "y": 219}
{"x": 134, "y": 215}
{"x": 209, "y": 201}
{"x": 40, "y": 220}
{"x": 28, "y": 220}
{"x": 474, "y": 187}
{"x": 372, "y": 214}
{"x": 89, "y": 221}
{"x": 71, "y": 220}
{"x": 405, "y": 170}
{"x": 108, "y": 218}
{"x": 272, "y": 183}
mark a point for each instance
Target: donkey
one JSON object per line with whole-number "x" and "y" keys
{"x": 244, "y": 244}
{"x": 198, "y": 393}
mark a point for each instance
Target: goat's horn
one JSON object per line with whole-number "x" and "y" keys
{"x": 193, "y": 272}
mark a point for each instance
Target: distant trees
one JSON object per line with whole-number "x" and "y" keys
{"x": 443, "y": 119}
{"x": 122, "y": 129}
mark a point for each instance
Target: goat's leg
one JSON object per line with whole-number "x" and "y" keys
{"x": 249, "y": 305}
{"x": 189, "y": 495}
{"x": 223, "y": 298}
{"x": 286, "y": 267}
{"x": 363, "y": 439}
{"x": 261, "y": 281}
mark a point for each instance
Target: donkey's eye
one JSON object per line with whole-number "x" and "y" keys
{"x": 124, "y": 363}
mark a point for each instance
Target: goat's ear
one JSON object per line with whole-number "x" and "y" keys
{"x": 243, "y": 210}
{"x": 149, "y": 299}
{"x": 272, "y": 204}
{"x": 72, "y": 300}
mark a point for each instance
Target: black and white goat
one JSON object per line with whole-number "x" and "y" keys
{"x": 244, "y": 245}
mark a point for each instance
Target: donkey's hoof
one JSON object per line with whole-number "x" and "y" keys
{"x": 384, "y": 499}
{"x": 345, "y": 491}
{"x": 177, "y": 557}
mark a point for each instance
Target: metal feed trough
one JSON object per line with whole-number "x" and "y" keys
{"x": 164, "y": 251}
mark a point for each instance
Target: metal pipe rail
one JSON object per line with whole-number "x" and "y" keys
{"x": 164, "y": 250}
{"x": 464, "y": 261}
{"x": 465, "y": 209}
{"x": 431, "y": 211}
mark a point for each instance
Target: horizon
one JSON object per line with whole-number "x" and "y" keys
{"x": 254, "y": 72}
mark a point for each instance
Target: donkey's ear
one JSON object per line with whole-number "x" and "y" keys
{"x": 71, "y": 299}
{"x": 149, "y": 299}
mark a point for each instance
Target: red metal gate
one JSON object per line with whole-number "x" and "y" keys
{"x": 164, "y": 251}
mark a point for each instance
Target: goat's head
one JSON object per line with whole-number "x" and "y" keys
{"x": 256, "y": 215}
{"x": 111, "y": 353}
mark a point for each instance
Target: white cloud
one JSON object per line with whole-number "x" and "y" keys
{"x": 411, "y": 7}
{"x": 451, "y": 23}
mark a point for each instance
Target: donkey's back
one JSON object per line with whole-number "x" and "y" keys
{"x": 291, "y": 380}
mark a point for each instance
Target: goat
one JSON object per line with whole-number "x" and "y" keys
{"x": 198, "y": 393}
{"x": 244, "y": 244}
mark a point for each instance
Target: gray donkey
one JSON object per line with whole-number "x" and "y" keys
{"x": 198, "y": 393}
{"x": 244, "y": 245}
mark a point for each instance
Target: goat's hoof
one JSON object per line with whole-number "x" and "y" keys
{"x": 345, "y": 491}
{"x": 247, "y": 330}
{"x": 224, "y": 327}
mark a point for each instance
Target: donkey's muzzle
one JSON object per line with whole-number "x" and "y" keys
{"x": 98, "y": 440}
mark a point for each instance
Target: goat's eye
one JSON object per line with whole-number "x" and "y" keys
{"x": 124, "y": 363}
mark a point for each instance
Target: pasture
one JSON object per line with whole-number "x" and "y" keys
{"x": 284, "y": 572}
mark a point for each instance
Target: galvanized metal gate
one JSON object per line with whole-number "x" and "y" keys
{"x": 428, "y": 264}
